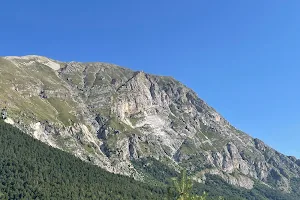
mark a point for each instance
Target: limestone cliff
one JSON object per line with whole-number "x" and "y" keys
{"x": 109, "y": 116}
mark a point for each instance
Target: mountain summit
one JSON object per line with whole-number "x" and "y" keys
{"x": 112, "y": 116}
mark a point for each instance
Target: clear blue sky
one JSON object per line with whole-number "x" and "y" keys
{"x": 242, "y": 57}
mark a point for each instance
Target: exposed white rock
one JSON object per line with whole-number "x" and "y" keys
{"x": 39, "y": 133}
{"x": 9, "y": 121}
{"x": 33, "y": 58}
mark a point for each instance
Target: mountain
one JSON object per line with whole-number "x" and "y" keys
{"x": 124, "y": 121}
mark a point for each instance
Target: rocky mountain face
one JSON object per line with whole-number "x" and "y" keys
{"x": 110, "y": 116}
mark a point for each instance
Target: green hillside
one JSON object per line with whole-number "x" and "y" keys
{"x": 30, "y": 169}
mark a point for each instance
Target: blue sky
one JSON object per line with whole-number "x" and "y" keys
{"x": 241, "y": 57}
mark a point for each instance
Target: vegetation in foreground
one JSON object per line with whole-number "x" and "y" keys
{"x": 183, "y": 186}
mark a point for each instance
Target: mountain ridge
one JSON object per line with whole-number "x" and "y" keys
{"x": 111, "y": 116}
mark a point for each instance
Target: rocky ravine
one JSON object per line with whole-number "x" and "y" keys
{"x": 109, "y": 115}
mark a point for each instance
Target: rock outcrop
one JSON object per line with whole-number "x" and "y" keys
{"x": 109, "y": 116}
